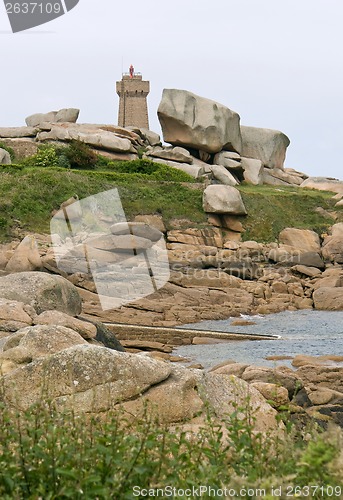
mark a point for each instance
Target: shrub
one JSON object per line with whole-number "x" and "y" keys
{"x": 75, "y": 155}
{"x": 4, "y": 222}
{"x": 45, "y": 454}
{"x": 140, "y": 151}
{"x": 171, "y": 174}
{"x": 152, "y": 170}
{"x": 45, "y": 157}
{"x": 63, "y": 161}
{"x": 80, "y": 156}
{"x": 135, "y": 167}
{"x": 103, "y": 161}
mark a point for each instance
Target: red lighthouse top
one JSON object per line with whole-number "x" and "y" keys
{"x": 132, "y": 71}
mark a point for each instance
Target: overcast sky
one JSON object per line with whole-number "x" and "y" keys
{"x": 277, "y": 64}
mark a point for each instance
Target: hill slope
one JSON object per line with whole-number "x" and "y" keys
{"x": 29, "y": 195}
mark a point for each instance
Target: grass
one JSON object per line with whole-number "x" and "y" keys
{"x": 272, "y": 208}
{"x": 28, "y": 195}
{"x": 45, "y": 454}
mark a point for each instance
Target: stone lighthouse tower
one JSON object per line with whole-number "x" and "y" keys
{"x": 133, "y": 107}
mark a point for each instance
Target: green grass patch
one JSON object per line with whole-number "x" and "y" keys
{"x": 273, "y": 208}
{"x": 29, "y": 195}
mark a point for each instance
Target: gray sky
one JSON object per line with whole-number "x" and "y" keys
{"x": 277, "y": 64}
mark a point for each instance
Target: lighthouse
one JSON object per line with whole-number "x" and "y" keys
{"x": 133, "y": 107}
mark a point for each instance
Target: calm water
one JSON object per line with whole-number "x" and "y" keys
{"x": 303, "y": 332}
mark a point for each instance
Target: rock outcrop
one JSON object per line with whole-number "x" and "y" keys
{"x": 313, "y": 391}
{"x": 56, "y": 363}
{"x": 206, "y": 140}
{"x": 323, "y": 184}
{"x": 25, "y": 257}
{"x": 333, "y": 244}
{"x": 303, "y": 240}
{"x": 328, "y": 299}
{"x": 63, "y": 115}
{"x": 213, "y": 273}
{"x": 90, "y": 379}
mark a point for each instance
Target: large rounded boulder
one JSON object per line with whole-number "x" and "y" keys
{"x": 219, "y": 199}
{"x": 195, "y": 122}
{"x": 42, "y": 291}
{"x": 268, "y": 146}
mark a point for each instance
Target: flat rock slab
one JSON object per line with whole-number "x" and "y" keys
{"x": 147, "y": 346}
{"x": 16, "y": 132}
{"x": 166, "y": 335}
{"x": 140, "y": 229}
{"x": 124, "y": 242}
{"x": 323, "y": 184}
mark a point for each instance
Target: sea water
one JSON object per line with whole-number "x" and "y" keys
{"x": 309, "y": 332}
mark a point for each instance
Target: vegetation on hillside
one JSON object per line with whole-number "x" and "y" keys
{"x": 29, "y": 195}
{"x": 272, "y": 208}
{"x": 31, "y": 190}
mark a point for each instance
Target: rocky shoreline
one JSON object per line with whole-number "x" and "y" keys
{"x": 211, "y": 277}
{"x": 50, "y": 325}
{"x": 46, "y": 350}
